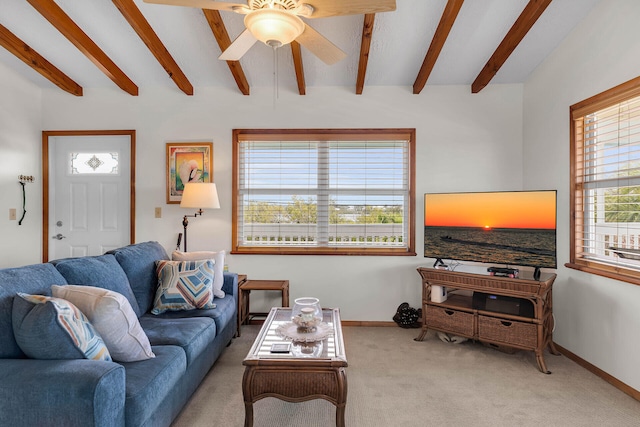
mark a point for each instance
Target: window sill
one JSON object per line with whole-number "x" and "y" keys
{"x": 322, "y": 251}
{"x": 616, "y": 273}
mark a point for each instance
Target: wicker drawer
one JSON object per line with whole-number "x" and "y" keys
{"x": 507, "y": 331}
{"x": 455, "y": 322}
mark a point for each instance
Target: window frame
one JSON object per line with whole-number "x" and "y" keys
{"x": 578, "y": 111}
{"x": 242, "y": 135}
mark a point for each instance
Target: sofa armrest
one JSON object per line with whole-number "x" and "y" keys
{"x": 230, "y": 285}
{"x": 61, "y": 392}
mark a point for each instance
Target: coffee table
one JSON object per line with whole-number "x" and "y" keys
{"x": 314, "y": 370}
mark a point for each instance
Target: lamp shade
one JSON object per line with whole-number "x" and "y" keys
{"x": 200, "y": 195}
{"x": 274, "y": 27}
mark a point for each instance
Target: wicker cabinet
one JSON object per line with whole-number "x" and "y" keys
{"x": 457, "y": 315}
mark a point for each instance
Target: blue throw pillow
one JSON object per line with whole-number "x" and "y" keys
{"x": 53, "y": 328}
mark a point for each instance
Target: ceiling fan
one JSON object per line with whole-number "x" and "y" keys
{"x": 278, "y": 22}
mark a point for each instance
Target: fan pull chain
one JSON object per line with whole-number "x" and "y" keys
{"x": 275, "y": 77}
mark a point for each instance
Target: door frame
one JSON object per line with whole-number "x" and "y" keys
{"x": 46, "y": 171}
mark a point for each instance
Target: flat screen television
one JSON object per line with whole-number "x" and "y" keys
{"x": 512, "y": 228}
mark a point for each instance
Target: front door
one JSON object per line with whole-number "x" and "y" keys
{"x": 90, "y": 203}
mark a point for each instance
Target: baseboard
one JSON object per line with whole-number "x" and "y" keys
{"x": 599, "y": 372}
{"x": 367, "y": 323}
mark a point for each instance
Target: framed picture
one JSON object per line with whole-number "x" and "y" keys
{"x": 187, "y": 162}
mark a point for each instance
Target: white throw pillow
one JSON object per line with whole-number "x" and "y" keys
{"x": 113, "y": 317}
{"x": 218, "y": 266}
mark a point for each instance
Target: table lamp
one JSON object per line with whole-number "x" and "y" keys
{"x": 200, "y": 195}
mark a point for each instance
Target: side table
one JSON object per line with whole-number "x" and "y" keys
{"x": 244, "y": 291}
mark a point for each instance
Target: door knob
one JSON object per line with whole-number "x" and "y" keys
{"x": 59, "y": 236}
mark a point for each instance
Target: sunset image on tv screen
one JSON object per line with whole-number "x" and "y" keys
{"x": 511, "y": 227}
{"x": 527, "y": 209}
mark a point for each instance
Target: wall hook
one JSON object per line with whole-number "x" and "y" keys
{"x": 22, "y": 180}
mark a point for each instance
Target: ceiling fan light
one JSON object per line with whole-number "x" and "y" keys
{"x": 274, "y": 27}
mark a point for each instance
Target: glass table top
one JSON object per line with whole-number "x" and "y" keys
{"x": 329, "y": 348}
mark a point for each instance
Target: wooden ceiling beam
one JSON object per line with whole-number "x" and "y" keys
{"x": 222, "y": 37}
{"x": 532, "y": 11}
{"x": 142, "y": 27}
{"x": 59, "y": 19}
{"x": 439, "y": 38}
{"x": 23, "y": 51}
{"x": 365, "y": 46}
{"x": 297, "y": 65}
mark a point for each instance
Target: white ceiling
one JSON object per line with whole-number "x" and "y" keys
{"x": 400, "y": 41}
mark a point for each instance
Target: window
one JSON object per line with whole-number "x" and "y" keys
{"x": 93, "y": 163}
{"x": 327, "y": 191}
{"x": 605, "y": 153}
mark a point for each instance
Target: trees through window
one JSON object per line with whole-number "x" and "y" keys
{"x": 605, "y": 155}
{"x": 327, "y": 191}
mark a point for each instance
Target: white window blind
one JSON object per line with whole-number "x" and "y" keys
{"x": 608, "y": 171}
{"x": 328, "y": 193}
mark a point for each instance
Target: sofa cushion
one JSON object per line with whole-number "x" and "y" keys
{"x": 183, "y": 285}
{"x": 193, "y": 334}
{"x": 30, "y": 279}
{"x": 218, "y": 266}
{"x": 100, "y": 271}
{"x": 149, "y": 381}
{"x": 139, "y": 263}
{"x": 112, "y": 316}
{"x": 53, "y": 328}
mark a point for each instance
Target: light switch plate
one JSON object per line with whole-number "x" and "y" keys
{"x": 158, "y": 212}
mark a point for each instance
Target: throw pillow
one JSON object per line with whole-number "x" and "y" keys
{"x": 53, "y": 328}
{"x": 114, "y": 319}
{"x": 218, "y": 266}
{"x": 183, "y": 285}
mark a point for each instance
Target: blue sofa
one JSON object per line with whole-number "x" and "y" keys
{"x": 82, "y": 392}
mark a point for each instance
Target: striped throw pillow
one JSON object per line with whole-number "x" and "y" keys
{"x": 184, "y": 285}
{"x": 53, "y": 328}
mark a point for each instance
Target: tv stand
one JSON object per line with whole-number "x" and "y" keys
{"x": 457, "y": 316}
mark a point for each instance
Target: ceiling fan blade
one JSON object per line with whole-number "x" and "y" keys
{"x": 320, "y": 46}
{"x": 202, "y": 4}
{"x": 325, "y": 8}
{"x": 239, "y": 47}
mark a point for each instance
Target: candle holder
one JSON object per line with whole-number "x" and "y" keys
{"x": 306, "y": 302}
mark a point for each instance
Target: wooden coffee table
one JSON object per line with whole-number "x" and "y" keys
{"x": 309, "y": 371}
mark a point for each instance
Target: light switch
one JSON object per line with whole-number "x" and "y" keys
{"x": 12, "y": 214}
{"x": 158, "y": 213}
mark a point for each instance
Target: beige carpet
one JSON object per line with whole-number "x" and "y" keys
{"x": 395, "y": 381}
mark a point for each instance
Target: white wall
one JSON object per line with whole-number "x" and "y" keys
{"x": 464, "y": 142}
{"x": 20, "y": 125}
{"x": 596, "y": 318}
